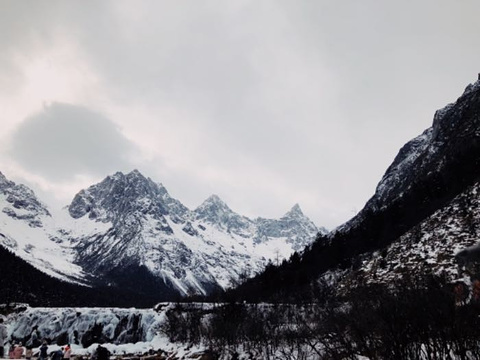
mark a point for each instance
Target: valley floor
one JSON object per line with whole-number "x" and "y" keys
{"x": 360, "y": 330}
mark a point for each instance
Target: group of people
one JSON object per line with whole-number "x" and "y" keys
{"x": 17, "y": 351}
{"x": 63, "y": 353}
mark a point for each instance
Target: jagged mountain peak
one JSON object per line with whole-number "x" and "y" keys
{"x": 215, "y": 210}
{"x": 214, "y": 198}
{"x": 120, "y": 194}
{"x": 132, "y": 177}
{"x": 2, "y": 177}
{"x": 294, "y": 212}
{"x": 135, "y": 173}
{"x": 416, "y": 220}
{"x": 214, "y": 201}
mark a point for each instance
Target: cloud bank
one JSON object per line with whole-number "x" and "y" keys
{"x": 64, "y": 141}
{"x": 266, "y": 103}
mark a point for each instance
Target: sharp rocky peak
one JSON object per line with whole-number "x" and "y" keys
{"x": 214, "y": 200}
{"x": 215, "y": 211}
{"x": 119, "y": 194}
{"x": 214, "y": 208}
{"x": 139, "y": 181}
{"x": 132, "y": 177}
{"x": 130, "y": 186}
{"x": 295, "y": 212}
{"x": 138, "y": 231}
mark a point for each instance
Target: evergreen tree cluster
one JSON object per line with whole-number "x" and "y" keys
{"x": 20, "y": 282}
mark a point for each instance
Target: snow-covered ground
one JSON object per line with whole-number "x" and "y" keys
{"x": 430, "y": 247}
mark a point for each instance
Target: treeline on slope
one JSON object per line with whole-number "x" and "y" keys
{"x": 20, "y": 282}
{"x": 421, "y": 318}
{"x": 377, "y": 229}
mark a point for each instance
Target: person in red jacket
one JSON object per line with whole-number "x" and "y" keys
{"x": 18, "y": 351}
{"x": 10, "y": 351}
{"x": 67, "y": 352}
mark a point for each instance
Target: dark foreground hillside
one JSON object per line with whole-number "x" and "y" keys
{"x": 21, "y": 282}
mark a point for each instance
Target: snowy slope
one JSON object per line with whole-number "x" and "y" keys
{"x": 28, "y": 229}
{"x": 430, "y": 247}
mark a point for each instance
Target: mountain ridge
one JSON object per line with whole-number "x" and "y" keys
{"x": 128, "y": 227}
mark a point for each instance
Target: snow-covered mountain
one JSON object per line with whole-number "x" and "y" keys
{"x": 191, "y": 251}
{"x": 429, "y": 201}
{"x": 127, "y": 231}
{"x": 429, "y": 159}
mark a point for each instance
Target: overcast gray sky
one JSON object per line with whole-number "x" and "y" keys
{"x": 265, "y": 103}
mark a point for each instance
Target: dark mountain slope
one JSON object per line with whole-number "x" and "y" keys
{"x": 21, "y": 282}
{"x": 426, "y": 175}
